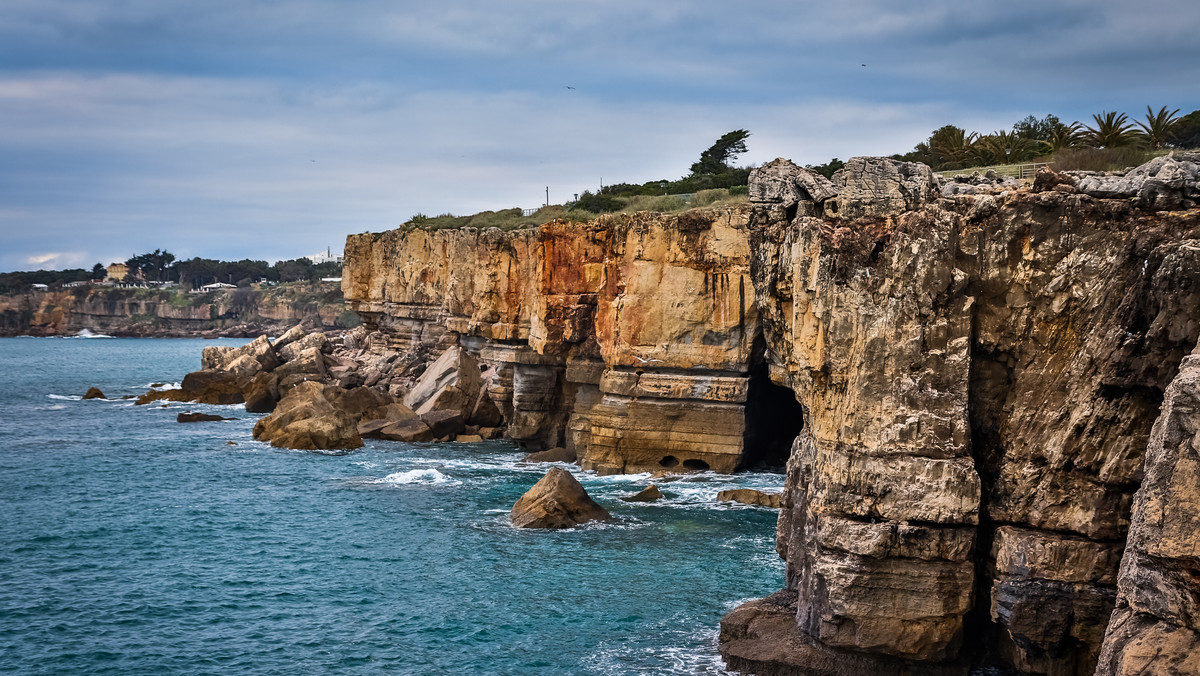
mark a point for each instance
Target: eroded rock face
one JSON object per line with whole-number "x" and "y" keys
{"x": 556, "y": 501}
{"x": 309, "y": 417}
{"x": 978, "y": 371}
{"x": 1155, "y": 628}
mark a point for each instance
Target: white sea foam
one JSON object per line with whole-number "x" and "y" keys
{"x": 65, "y": 397}
{"x": 84, "y": 333}
{"x": 418, "y": 476}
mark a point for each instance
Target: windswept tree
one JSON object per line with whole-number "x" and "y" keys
{"x": 1156, "y": 130}
{"x": 716, "y": 159}
{"x": 1112, "y": 130}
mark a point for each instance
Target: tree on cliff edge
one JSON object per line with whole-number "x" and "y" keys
{"x": 716, "y": 159}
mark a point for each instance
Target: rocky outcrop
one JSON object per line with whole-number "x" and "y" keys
{"x": 556, "y": 501}
{"x": 648, "y": 494}
{"x": 143, "y": 312}
{"x": 313, "y": 416}
{"x": 94, "y": 393}
{"x": 962, "y": 383}
{"x": 1155, "y": 628}
{"x": 625, "y": 341}
{"x": 749, "y": 496}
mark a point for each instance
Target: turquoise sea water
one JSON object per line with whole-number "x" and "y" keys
{"x": 132, "y": 544}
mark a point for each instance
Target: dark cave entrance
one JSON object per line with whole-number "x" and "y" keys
{"x": 773, "y": 417}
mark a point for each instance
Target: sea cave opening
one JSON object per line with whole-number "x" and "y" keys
{"x": 773, "y": 419}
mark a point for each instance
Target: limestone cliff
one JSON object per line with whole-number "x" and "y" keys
{"x": 963, "y": 384}
{"x": 152, "y": 312}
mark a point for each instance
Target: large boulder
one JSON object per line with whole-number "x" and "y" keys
{"x": 556, "y": 501}
{"x": 307, "y": 366}
{"x": 212, "y": 387}
{"x": 295, "y": 349}
{"x": 452, "y": 383}
{"x": 556, "y": 454}
{"x": 262, "y": 392}
{"x": 782, "y": 183}
{"x": 877, "y": 187}
{"x": 94, "y": 393}
{"x": 749, "y": 496}
{"x": 290, "y": 336}
{"x": 217, "y": 358}
{"x": 307, "y": 419}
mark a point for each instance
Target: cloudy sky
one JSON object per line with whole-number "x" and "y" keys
{"x": 273, "y": 128}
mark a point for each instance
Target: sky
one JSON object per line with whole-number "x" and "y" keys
{"x": 271, "y": 129}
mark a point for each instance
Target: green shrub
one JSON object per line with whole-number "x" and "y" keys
{"x": 1101, "y": 159}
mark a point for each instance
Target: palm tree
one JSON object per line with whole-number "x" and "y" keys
{"x": 951, "y": 147}
{"x": 1112, "y": 130}
{"x": 1157, "y": 127}
{"x": 1063, "y": 137}
{"x": 1004, "y": 147}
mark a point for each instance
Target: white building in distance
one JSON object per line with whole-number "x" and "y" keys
{"x": 326, "y": 256}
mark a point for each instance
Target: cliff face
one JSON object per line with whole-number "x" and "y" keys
{"x": 146, "y": 312}
{"x": 963, "y": 388}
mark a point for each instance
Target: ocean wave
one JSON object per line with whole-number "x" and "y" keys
{"x": 418, "y": 476}
{"x": 65, "y": 397}
{"x": 84, "y": 333}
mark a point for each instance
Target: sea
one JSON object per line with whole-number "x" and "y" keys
{"x": 133, "y": 544}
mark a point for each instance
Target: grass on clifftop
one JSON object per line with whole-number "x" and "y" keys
{"x": 512, "y": 219}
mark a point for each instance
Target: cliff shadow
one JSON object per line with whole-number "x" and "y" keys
{"x": 774, "y": 417}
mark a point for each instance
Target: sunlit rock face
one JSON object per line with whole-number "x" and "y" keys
{"x": 626, "y": 340}
{"x": 977, "y": 376}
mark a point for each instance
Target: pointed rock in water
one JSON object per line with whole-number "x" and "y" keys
{"x": 648, "y": 494}
{"x": 749, "y": 496}
{"x": 552, "y": 455}
{"x": 94, "y": 393}
{"x": 556, "y": 501}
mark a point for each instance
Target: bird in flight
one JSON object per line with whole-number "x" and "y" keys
{"x": 568, "y": 87}
{"x": 864, "y": 65}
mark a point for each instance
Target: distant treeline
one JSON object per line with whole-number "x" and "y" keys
{"x": 1110, "y": 140}
{"x": 161, "y": 266}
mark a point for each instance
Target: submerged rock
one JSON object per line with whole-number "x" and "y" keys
{"x": 94, "y": 393}
{"x": 556, "y": 501}
{"x": 199, "y": 417}
{"x": 559, "y": 454}
{"x": 648, "y": 494}
{"x": 749, "y": 496}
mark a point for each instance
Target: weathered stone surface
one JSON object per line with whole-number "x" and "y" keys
{"x": 288, "y": 337}
{"x": 305, "y": 366}
{"x": 1156, "y": 625}
{"x": 559, "y": 454}
{"x": 262, "y": 392}
{"x": 874, "y": 187}
{"x": 94, "y": 393}
{"x": 761, "y": 637}
{"x": 295, "y": 349}
{"x": 978, "y": 375}
{"x": 307, "y": 419}
{"x": 648, "y": 494}
{"x": 749, "y": 496}
{"x": 444, "y": 423}
{"x": 212, "y": 387}
{"x": 556, "y": 501}
{"x": 217, "y": 358}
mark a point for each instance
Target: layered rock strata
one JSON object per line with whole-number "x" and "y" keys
{"x": 978, "y": 371}
{"x": 626, "y": 340}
